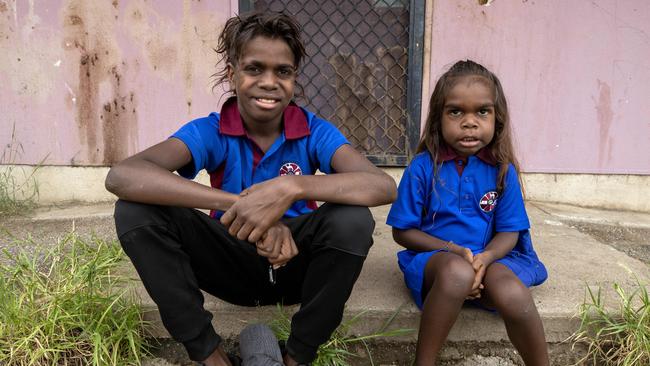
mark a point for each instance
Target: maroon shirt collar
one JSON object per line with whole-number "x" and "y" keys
{"x": 295, "y": 121}
{"x": 447, "y": 154}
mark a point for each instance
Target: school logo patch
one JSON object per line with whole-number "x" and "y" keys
{"x": 290, "y": 169}
{"x": 489, "y": 201}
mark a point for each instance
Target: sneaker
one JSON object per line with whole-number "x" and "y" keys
{"x": 258, "y": 346}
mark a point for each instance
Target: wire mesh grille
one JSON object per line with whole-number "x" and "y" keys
{"x": 355, "y": 74}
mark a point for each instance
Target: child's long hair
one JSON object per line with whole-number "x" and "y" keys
{"x": 501, "y": 145}
{"x": 240, "y": 29}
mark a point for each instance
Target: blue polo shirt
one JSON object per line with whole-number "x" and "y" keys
{"x": 463, "y": 207}
{"x": 219, "y": 144}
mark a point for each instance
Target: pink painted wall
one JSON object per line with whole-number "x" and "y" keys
{"x": 91, "y": 82}
{"x": 576, "y": 74}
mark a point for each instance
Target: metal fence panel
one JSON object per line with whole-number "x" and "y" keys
{"x": 356, "y": 71}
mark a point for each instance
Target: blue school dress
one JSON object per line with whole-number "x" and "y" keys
{"x": 465, "y": 209}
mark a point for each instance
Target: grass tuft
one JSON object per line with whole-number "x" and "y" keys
{"x": 68, "y": 306}
{"x": 615, "y": 338}
{"x": 16, "y": 195}
{"x": 336, "y": 351}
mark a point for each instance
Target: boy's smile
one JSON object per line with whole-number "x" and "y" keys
{"x": 264, "y": 81}
{"x": 468, "y": 116}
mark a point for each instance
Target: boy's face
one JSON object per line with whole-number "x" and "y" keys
{"x": 264, "y": 80}
{"x": 468, "y": 116}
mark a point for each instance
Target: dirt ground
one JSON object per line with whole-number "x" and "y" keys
{"x": 385, "y": 353}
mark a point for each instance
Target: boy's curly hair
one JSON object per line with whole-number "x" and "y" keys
{"x": 242, "y": 28}
{"x": 501, "y": 145}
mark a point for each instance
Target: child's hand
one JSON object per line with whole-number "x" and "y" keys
{"x": 259, "y": 207}
{"x": 479, "y": 264}
{"x": 475, "y": 294}
{"x": 277, "y": 245}
{"x": 466, "y": 253}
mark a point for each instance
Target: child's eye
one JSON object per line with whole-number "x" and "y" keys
{"x": 483, "y": 112}
{"x": 253, "y": 70}
{"x": 455, "y": 112}
{"x": 285, "y": 73}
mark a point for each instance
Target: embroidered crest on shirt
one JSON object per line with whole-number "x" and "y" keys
{"x": 489, "y": 201}
{"x": 290, "y": 169}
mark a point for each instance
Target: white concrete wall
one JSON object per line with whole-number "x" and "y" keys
{"x": 622, "y": 192}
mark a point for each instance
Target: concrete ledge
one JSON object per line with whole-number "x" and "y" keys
{"x": 574, "y": 261}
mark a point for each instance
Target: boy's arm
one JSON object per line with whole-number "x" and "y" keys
{"x": 148, "y": 177}
{"x": 356, "y": 182}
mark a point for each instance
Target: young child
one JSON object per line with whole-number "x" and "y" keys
{"x": 265, "y": 240}
{"x": 460, "y": 215}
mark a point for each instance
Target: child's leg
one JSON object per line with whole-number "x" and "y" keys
{"x": 447, "y": 282}
{"x": 333, "y": 243}
{"x": 176, "y": 251}
{"x": 505, "y": 292}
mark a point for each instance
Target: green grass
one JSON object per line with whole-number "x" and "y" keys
{"x": 336, "y": 351}
{"x": 16, "y": 195}
{"x": 67, "y": 306}
{"x": 615, "y": 338}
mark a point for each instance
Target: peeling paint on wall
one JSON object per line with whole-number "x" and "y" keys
{"x": 24, "y": 45}
{"x": 171, "y": 51}
{"x": 77, "y": 76}
{"x": 154, "y": 35}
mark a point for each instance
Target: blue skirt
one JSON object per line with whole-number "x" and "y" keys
{"x": 525, "y": 265}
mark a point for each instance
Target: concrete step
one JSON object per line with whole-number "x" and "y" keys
{"x": 574, "y": 259}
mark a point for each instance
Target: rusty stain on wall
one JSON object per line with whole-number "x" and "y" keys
{"x": 605, "y": 116}
{"x": 87, "y": 61}
{"x": 89, "y": 34}
{"x": 119, "y": 122}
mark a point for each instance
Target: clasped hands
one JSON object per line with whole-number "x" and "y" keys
{"x": 255, "y": 217}
{"x": 479, "y": 263}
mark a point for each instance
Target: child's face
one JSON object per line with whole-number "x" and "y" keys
{"x": 264, "y": 80}
{"x": 468, "y": 115}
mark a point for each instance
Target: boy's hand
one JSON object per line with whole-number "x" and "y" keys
{"x": 277, "y": 245}
{"x": 259, "y": 207}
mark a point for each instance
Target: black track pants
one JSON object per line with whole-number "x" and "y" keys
{"x": 178, "y": 251}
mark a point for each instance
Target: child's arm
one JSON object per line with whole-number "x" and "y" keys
{"x": 356, "y": 182}
{"x": 147, "y": 177}
{"x": 420, "y": 241}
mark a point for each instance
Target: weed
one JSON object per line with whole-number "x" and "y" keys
{"x": 615, "y": 338}
{"x": 336, "y": 351}
{"x": 18, "y": 188}
{"x": 68, "y": 306}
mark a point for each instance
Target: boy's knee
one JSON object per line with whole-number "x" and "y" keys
{"x": 350, "y": 228}
{"x": 131, "y": 215}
